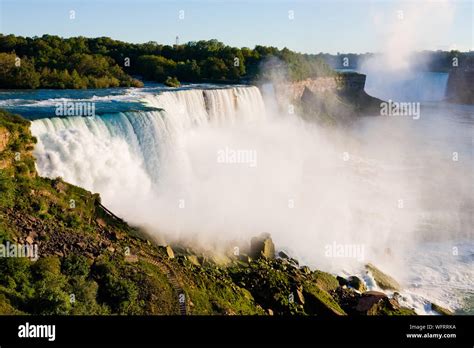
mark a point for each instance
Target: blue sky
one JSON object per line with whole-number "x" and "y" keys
{"x": 317, "y": 26}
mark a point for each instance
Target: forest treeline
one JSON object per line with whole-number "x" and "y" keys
{"x": 54, "y": 62}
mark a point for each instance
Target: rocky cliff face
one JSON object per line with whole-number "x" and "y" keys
{"x": 328, "y": 100}
{"x": 293, "y": 91}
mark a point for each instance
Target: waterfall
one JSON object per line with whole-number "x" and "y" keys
{"x": 416, "y": 86}
{"x": 314, "y": 189}
{"x": 126, "y": 152}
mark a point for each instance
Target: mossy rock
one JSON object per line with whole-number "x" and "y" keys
{"x": 357, "y": 283}
{"x": 440, "y": 310}
{"x": 325, "y": 280}
{"x": 389, "y": 307}
{"x": 378, "y": 303}
{"x": 193, "y": 259}
{"x": 384, "y": 281}
{"x": 319, "y": 301}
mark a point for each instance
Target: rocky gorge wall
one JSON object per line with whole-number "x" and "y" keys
{"x": 337, "y": 99}
{"x": 293, "y": 91}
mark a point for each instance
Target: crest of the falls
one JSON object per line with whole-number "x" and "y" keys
{"x": 126, "y": 151}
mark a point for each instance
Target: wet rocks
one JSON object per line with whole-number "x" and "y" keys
{"x": 262, "y": 247}
{"x": 357, "y": 283}
{"x": 342, "y": 281}
{"x": 378, "y": 303}
{"x": 441, "y": 310}
{"x": 368, "y": 300}
{"x": 348, "y": 299}
{"x": 320, "y": 302}
{"x": 325, "y": 281}
{"x": 384, "y": 281}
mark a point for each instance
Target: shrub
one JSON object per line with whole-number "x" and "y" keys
{"x": 172, "y": 82}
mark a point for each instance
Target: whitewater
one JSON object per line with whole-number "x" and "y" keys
{"x": 388, "y": 186}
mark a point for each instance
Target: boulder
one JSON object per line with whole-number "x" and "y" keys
{"x": 305, "y": 270}
{"x": 383, "y": 280}
{"x": 357, "y": 283}
{"x": 194, "y": 260}
{"x": 299, "y": 295}
{"x": 219, "y": 260}
{"x": 244, "y": 258}
{"x": 169, "y": 252}
{"x": 342, "y": 281}
{"x": 348, "y": 299}
{"x": 319, "y": 301}
{"x": 325, "y": 281}
{"x": 294, "y": 262}
{"x": 369, "y": 299}
{"x": 377, "y": 303}
{"x": 441, "y": 310}
{"x": 262, "y": 247}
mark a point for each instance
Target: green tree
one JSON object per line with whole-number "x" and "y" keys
{"x": 214, "y": 68}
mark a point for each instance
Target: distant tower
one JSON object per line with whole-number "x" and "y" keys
{"x": 177, "y": 40}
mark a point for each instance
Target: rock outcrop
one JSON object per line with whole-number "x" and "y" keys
{"x": 262, "y": 247}
{"x": 384, "y": 281}
{"x": 440, "y": 310}
{"x": 357, "y": 283}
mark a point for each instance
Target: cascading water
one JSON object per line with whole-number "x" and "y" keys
{"x": 75, "y": 147}
{"x": 308, "y": 187}
{"x": 401, "y": 87}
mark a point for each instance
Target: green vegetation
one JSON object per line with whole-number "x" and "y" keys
{"x": 53, "y": 62}
{"x": 172, "y": 82}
